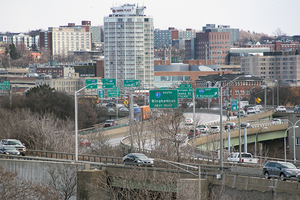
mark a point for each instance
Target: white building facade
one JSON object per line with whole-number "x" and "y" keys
{"x": 128, "y": 45}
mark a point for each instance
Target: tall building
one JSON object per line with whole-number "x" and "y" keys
{"x": 59, "y": 41}
{"x": 128, "y": 45}
{"x": 281, "y": 66}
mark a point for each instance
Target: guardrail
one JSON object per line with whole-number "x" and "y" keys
{"x": 95, "y": 130}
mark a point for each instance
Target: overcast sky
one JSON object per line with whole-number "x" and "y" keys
{"x": 260, "y": 16}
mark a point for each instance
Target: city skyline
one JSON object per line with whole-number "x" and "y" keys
{"x": 259, "y": 16}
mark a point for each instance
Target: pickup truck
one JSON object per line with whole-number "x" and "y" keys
{"x": 245, "y": 158}
{"x": 15, "y": 143}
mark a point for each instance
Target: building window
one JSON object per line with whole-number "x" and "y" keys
{"x": 297, "y": 140}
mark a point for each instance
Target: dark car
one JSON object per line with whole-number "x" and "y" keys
{"x": 280, "y": 170}
{"x": 138, "y": 159}
{"x": 191, "y": 133}
{"x": 10, "y": 150}
{"x": 110, "y": 122}
{"x": 110, "y": 104}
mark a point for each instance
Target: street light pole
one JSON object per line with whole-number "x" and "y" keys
{"x": 256, "y": 138}
{"x": 221, "y": 131}
{"x": 76, "y": 119}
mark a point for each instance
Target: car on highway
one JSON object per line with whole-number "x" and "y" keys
{"x": 245, "y": 125}
{"x": 246, "y": 107}
{"x": 257, "y": 108}
{"x": 191, "y": 134}
{"x": 110, "y": 110}
{"x": 282, "y": 170}
{"x": 14, "y": 143}
{"x": 110, "y": 122}
{"x": 214, "y": 129}
{"x": 245, "y": 158}
{"x": 9, "y": 150}
{"x": 251, "y": 110}
{"x": 138, "y": 159}
{"x": 124, "y": 109}
{"x": 202, "y": 128}
{"x": 189, "y": 121}
{"x": 231, "y": 125}
{"x": 85, "y": 142}
{"x": 276, "y": 121}
{"x": 110, "y": 104}
{"x": 242, "y": 113}
{"x": 280, "y": 109}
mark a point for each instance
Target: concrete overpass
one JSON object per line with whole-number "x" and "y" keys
{"x": 231, "y": 181}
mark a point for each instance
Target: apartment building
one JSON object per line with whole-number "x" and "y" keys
{"x": 128, "y": 45}
{"x": 60, "y": 41}
{"x": 281, "y": 66}
{"x": 20, "y": 38}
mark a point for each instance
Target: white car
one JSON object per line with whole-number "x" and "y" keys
{"x": 257, "y": 109}
{"x": 276, "y": 121}
{"x": 189, "y": 121}
{"x": 214, "y": 129}
{"x": 251, "y": 110}
{"x": 280, "y": 109}
{"x": 202, "y": 128}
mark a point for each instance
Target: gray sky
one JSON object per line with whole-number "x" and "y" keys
{"x": 260, "y": 16}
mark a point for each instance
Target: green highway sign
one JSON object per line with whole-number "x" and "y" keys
{"x": 101, "y": 93}
{"x": 4, "y": 85}
{"x": 113, "y": 92}
{"x": 185, "y": 85}
{"x": 109, "y": 83}
{"x": 92, "y": 83}
{"x": 185, "y": 93}
{"x": 207, "y": 92}
{"x": 233, "y": 104}
{"x": 131, "y": 83}
{"x": 163, "y": 99}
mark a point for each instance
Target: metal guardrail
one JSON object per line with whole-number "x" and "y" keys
{"x": 95, "y": 130}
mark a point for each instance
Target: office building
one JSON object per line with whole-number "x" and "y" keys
{"x": 234, "y": 32}
{"x": 281, "y": 66}
{"x": 166, "y": 37}
{"x": 128, "y": 45}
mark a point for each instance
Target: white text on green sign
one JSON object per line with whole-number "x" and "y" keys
{"x": 131, "y": 83}
{"x": 163, "y": 99}
{"x": 91, "y": 83}
{"x": 108, "y": 83}
{"x": 113, "y": 92}
{"x": 207, "y": 92}
{"x": 185, "y": 93}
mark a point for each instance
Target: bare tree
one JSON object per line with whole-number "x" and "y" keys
{"x": 63, "y": 180}
{"x": 13, "y": 187}
{"x": 279, "y": 32}
{"x": 135, "y": 184}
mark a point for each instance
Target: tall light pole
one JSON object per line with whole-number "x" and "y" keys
{"x": 294, "y": 140}
{"x": 256, "y": 138}
{"x": 76, "y": 119}
{"x": 221, "y": 120}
